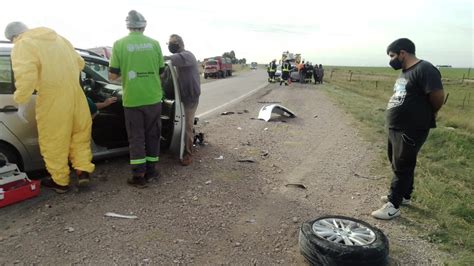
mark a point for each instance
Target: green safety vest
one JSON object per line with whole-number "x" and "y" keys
{"x": 139, "y": 59}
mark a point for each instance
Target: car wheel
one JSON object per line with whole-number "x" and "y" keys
{"x": 205, "y": 76}
{"x": 8, "y": 154}
{"x": 340, "y": 240}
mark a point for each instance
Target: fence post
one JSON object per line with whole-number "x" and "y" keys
{"x": 330, "y": 77}
{"x": 376, "y": 84}
{"x": 462, "y": 81}
{"x": 350, "y": 77}
{"x": 464, "y": 100}
{"x": 469, "y": 73}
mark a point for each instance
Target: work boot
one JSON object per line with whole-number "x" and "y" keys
{"x": 387, "y": 212}
{"x": 404, "y": 201}
{"x": 83, "y": 179}
{"x": 152, "y": 174}
{"x": 49, "y": 183}
{"x": 137, "y": 181}
{"x": 187, "y": 160}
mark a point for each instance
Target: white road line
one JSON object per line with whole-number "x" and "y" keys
{"x": 202, "y": 115}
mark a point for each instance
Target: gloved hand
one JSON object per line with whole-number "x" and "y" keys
{"x": 22, "y": 108}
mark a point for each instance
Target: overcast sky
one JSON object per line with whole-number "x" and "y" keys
{"x": 333, "y": 32}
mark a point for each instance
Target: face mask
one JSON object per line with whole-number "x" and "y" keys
{"x": 173, "y": 47}
{"x": 395, "y": 64}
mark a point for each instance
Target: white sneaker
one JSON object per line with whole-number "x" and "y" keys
{"x": 387, "y": 212}
{"x": 404, "y": 201}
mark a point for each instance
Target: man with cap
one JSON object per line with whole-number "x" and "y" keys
{"x": 46, "y": 62}
{"x": 190, "y": 88}
{"x": 139, "y": 61}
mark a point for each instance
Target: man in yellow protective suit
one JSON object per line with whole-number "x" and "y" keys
{"x": 46, "y": 62}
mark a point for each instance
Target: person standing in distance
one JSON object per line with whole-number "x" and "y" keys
{"x": 411, "y": 112}
{"x": 190, "y": 89}
{"x": 139, "y": 61}
{"x": 46, "y": 62}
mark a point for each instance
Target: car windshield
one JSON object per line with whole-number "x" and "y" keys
{"x": 97, "y": 70}
{"x": 211, "y": 63}
{"x": 100, "y": 69}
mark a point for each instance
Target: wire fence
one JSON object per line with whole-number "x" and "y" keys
{"x": 460, "y": 92}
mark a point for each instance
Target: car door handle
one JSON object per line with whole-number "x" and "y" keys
{"x": 9, "y": 109}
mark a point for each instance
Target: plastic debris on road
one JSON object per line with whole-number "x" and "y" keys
{"x": 116, "y": 215}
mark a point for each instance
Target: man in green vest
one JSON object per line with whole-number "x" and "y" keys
{"x": 139, "y": 61}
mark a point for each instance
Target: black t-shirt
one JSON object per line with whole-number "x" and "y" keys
{"x": 409, "y": 106}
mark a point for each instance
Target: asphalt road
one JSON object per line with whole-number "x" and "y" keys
{"x": 218, "y": 95}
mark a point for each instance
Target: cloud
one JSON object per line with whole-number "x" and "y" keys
{"x": 328, "y": 32}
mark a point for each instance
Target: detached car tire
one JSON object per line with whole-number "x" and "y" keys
{"x": 340, "y": 240}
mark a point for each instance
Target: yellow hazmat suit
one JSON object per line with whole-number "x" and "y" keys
{"x": 46, "y": 62}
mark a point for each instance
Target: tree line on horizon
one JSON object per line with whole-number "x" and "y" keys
{"x": 233, "y": 58}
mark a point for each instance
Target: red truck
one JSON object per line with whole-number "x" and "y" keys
{"x": 218, "y": 67}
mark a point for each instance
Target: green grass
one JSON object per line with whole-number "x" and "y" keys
{"x": 444, "y": 193}
{"x": 450, "y": 74}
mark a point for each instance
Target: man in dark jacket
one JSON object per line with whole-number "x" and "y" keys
{"x": 272, "y": 67}
{"x": 190, "y": 89}
{"x": 285, "y": 73}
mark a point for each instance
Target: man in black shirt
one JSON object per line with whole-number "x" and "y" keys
{"x": 411, "y": 112}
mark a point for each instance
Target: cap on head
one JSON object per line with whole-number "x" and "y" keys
{"x": 14, "y": 29}
{"x": 401, "y": 44}
{"x": 135, "y": 20}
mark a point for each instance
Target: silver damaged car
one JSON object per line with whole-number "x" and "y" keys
{"x": 19, "y": 138}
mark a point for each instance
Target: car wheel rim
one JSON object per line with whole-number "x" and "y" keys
{"x": 344, "y": 232}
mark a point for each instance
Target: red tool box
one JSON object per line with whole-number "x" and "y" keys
{"x": 15, "y": 186}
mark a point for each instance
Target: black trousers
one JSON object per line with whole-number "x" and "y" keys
{"x": 402, "y": 150}
{"x": 284, "y": 77}
{"x": 143, "y": 125}
{"x": 271, "y": 74}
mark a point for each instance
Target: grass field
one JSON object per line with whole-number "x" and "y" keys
{"x": 444, "y": 196}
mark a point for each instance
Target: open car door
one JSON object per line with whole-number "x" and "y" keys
{"x": 109, "y": 133}
{"x": 172, "y": 115}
